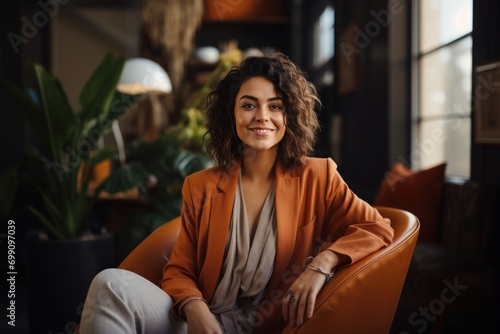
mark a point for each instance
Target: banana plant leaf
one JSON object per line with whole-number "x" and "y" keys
{"x": 97, "y": 94}
{"x": 60, "y": 121}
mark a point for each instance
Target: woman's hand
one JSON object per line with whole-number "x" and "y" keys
{"x": 199, "y": 318}
{"x": 298, "y": 302}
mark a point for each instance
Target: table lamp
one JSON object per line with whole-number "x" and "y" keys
{"x": 140, "y": 76}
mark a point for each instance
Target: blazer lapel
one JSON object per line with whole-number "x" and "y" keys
{"x": 222, "y": 199}
{"x": 287, "y": 213}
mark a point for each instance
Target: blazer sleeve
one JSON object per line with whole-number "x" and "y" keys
{"x": 180, "y": 274}
{"x": 355, "y": 227}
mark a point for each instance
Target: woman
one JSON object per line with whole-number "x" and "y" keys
{"x": 261, "y": 233}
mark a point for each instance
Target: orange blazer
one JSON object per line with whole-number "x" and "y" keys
{"x": 314, "y": 207}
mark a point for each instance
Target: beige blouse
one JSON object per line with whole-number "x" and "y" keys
{"x": 247, "y": 266}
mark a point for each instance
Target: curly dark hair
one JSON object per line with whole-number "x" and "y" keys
{"x": 299, "y": 98}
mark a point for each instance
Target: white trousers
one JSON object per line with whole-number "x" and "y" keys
{"x": 120, "y": 301}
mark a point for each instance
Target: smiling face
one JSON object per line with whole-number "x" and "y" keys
{"x": 259, "y": 115}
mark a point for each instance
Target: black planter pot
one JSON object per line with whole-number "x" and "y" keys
{"x": 59, "y": 275}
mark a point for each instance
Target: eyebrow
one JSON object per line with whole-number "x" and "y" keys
{"x": 253, "y": 98}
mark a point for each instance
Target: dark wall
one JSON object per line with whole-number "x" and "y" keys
{"x": 25, "y": 39}
{"x": 11, "y": 129}
{"x": 485, "y": 167}
{"x": 486, "y": 48}
{"x": 363, "y": 106}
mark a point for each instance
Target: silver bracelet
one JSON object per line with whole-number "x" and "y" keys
{"x": 328, "y": 275}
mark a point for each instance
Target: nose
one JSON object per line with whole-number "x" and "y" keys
{"x": 262, "y": 115}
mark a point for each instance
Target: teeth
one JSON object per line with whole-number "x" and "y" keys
{"x": 262, "y": 130}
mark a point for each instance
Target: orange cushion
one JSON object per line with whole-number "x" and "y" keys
{"x": 416, "y": 191}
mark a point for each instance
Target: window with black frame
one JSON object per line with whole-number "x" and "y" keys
{"x": 441, "y": 90}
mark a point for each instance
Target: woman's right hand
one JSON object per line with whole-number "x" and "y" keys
{"x": 199, "y": 318}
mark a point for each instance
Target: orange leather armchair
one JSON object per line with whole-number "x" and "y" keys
{"x": 361, "y": 298}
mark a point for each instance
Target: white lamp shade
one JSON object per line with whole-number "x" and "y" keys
{"x": 141, "y": 75}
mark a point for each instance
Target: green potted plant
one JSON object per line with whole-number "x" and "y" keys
{"x": 64, "y": 258}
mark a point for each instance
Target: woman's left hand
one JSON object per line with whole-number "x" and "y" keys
{"x": 298, "y": 303}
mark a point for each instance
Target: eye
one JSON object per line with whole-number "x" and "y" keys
{"x": 247, "y": 106}
{"x": 275, "y": 107}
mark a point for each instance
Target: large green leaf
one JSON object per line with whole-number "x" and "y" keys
{"x": 188, "y": 162}
{"x": 56, "y": 231}
{"x": 80, "y": 212}
{"x": 60, "y": 120}
{"x": 120, "y": 104}
{"x": 96, "y": 128}
{"x": 97, "y": 94}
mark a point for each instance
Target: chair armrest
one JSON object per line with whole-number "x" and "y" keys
{"x": 363, "y": 297}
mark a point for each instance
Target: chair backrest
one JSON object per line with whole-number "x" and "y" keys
{"x": 361, "y": 298}
{"x": 151, "y": 255}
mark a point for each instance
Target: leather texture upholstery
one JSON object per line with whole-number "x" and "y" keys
{"x": 360, "y": 298}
